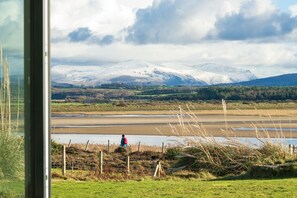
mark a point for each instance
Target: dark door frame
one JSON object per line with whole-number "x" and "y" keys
{"x": 37, "y": 98}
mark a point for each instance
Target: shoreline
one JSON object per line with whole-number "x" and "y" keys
{"x": 211, "y": 122}
{"x": 237, "y": 112}
{"x": 147, "y": 132}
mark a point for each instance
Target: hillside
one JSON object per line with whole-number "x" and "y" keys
{"x": 282, "y": 80}
{"x": 148, "y": 74}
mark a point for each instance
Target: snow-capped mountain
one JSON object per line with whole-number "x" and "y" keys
{"x": 145, "y": 73}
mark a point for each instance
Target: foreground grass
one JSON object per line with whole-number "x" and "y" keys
{"x": 12, "y": 189}
{"x": 170, "y": 188}
{"x": 177, "y": 188}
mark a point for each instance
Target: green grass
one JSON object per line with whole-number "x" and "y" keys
{"x": 170, "y": 188}
{"x": 163, "y": 106}
{"x": 12, "y": 188}
{"x": 177, "y": 188}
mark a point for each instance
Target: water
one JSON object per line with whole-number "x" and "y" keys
{"x": 114, "y": 116}
{"x": 266, "y": 129}
{"x": 153, "y": 140}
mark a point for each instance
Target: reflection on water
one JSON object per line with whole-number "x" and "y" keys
{"x": 266, "y": 129}
{"x": 153, "y": 140}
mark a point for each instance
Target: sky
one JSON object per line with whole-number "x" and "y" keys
{"x": 259, "y": 35}
{"x": 11, "y": 34}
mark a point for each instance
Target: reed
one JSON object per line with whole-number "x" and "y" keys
{"x": 5, "y": 96}
{"x": 231, "y": 156}
{"x": 11, "y": 146}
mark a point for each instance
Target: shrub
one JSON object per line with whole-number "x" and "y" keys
{"x": 11, "y": 156}
{"x": 266, "y": 171}
{"x": 121, "y": 150}
{"x": 173, "y": 153}
{"x": 55, "y": 148}
{"x": 223, "y": 158}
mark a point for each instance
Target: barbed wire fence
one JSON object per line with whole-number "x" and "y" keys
{"x": 110, "y": 159}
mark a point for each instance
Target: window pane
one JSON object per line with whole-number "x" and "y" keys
{"x": 11, "y": 98}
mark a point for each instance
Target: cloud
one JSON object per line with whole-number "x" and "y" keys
{"x": 12, "y": 34}
{"x": 102, "y": 17}
{"x": 235, "y": 53}
{"x": 107, "y": 40}
{"x": 178, "y": 21}
{"x": 80, "y": 34}
{"x": 191, "y": 21}
{"x": 11, "y": 25}
{"x": 293, "y": 10}
{"x": 256, "y": 19}
{"x": 84, "y": 34}
{"x": 229, "y": 32}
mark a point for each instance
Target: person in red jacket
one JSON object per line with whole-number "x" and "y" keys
{"x": 124, "y": 141}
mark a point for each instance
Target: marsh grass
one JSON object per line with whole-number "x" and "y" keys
{"x": 231, "y": 156}
{"x": 11, "y": 146}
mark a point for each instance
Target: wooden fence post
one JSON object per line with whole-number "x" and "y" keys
{"x": 138, "y": 147}
{"x": 159, "y": 169}
{"x": 108, "y": 146}
{"x": 100, "y": 155}
{"x": 156, "y": 170}
{"x": 162, "y": 147}
{"x": 87, "y": 145}
{"x": 63, "y": 160}
{"x": 128, "y": 164}
{"x": 69, "y": 144}
{"x": 290, "y": 149}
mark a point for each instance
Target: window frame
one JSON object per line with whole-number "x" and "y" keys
{"x": 37, "y": 98}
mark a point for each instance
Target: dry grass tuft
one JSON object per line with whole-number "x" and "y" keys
{"x": 11, "y": 146}
{"x": 232, "y": 156}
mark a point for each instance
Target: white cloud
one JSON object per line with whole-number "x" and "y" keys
{"x": 11, "y": 25}
{"x": 191, "y": 21}
{"x": 254, "y": 56}
{"x": 178, "y": 21}
{"x": 136, "y": 4}
{"x": 9, "y": 10}
{"x": 265, "y": 22}
{"x": 293, "y": 10}
{"x": 101, "y": 16}
{"x": 251, "y": 8}
{"x": 177, "y": 31}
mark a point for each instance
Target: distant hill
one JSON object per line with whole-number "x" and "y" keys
{"x": 282, "y": 80}
{"x": 148, "y": 74}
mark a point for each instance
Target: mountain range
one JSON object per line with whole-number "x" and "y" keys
{"x": 145, "y": 73}
{"x": 170, "y": 74}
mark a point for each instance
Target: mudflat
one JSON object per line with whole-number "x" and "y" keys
{"x": 239, "y": 123}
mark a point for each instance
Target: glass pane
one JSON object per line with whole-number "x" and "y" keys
{"x": 168, "y": 75}
{"x": 11, "y": 98}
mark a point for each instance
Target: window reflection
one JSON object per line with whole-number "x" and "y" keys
{"x": 11, "y": 98}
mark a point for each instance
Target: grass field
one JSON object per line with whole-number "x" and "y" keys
{"x": 170, "y": 188}
{"x": 181, "y": 188}
{"x": 163, "y": 106}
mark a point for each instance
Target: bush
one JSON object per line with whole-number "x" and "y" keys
{"x": 173, "y": 153}
{"x": 55, "y": 148}
{"x": 266, "y": 171}
{"x": 221, "y": 160}
{"x": 121, "y": 150}
{"x": 11, "y": 156}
